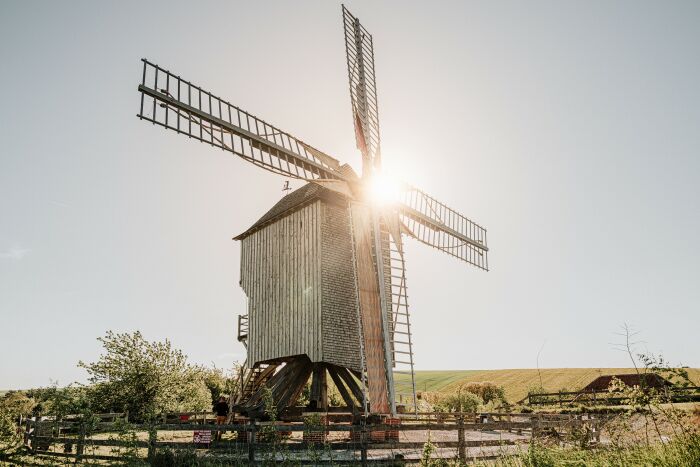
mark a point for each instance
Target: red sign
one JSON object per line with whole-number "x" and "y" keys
{"x": 202, "y": 437}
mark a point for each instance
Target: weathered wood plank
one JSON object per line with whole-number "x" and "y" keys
{"x": 370, "y": 310}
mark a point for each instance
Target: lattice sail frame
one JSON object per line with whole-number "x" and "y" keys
{"x": 436, "y": 224}
{"x": 176, "y": 104}
{"x": 363, "y": 90}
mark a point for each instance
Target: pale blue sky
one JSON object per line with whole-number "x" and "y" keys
{"x": 569, "y": 129}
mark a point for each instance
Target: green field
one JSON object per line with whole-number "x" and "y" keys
{"x": 517, "y": 382}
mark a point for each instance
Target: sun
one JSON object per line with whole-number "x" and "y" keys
{"x": 383, "y": 189}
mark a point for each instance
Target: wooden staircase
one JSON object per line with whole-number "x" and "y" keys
{"x": 285, "y": 381}
{"x": 250, "y": 381}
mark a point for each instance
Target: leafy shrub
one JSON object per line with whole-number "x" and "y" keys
{"x": 174, "y": 458}
{"x": 9, "y": 435}
{"x": 458, "y": 401}
{"x": 13, "y": 404}
{"x": 59, "y": 402}
{"x": 144, "y": 378}
{"x": 487, "y": 391}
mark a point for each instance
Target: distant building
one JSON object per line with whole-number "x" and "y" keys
{"x": 647, "y": 381}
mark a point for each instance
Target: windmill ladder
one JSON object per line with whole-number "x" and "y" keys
{"x": 400, "y": 333}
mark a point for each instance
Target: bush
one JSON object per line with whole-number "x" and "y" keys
{"x": 61, "y": 401}
{"x": 487, "y": 391}
{"x": 13, "y": 405}
{"x": 144, "y": 378}
{"x": 9, "y": 436}
{"x": 458, "y": 401}
{"x": 174, "y": 458}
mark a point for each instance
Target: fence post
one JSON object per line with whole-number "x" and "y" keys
{"x": 152, "y": 439}
{"x": 462, "y": 450}
{"x": 27, "y": 431}
{"x": 510, "y": 423}
{"x": 81, "y": 441}
{"x": 364, "y": 437}
{"x": 251, "y": 442}
{"x": 32, "y": 433}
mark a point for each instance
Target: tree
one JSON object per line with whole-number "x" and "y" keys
{"x": 12, "y": 405}
{"x": 144, "y": 378}
{"x": 221, "y": 383}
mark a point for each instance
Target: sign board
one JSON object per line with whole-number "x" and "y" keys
{"x": 202, "y": 437}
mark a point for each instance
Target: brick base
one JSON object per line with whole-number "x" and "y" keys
{"x": 379, "y": 436}
{"x": 392, "y": 435}
{"x": 358, "y": 436}
{"x": 315, "y": 437}
{"x": 316, "y": 434}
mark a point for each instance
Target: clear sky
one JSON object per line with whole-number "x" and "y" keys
{"x": 569, "y": 129}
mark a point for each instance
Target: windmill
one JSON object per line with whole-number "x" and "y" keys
{"x": 324, "y": 268}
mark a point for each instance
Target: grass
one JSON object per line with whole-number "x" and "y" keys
{"x": 517, "y": 381}
{"x": 682, "y": 451}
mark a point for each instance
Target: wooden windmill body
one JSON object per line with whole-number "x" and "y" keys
{"x": 323, "y": 269}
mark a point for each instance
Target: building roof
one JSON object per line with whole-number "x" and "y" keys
{"x": 292, "y": 202}
{"x": 602, "y": 383}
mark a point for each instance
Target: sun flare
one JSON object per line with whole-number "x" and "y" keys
{"x": 383, "y": 189}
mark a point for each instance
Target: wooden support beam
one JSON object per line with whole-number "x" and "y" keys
{"x": 342, "y": 389}
{"x": 295, "y": 386}
{"x": 351, "y": 383}
{"x": 319, "y": 387}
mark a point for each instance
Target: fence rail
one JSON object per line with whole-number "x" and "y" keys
{"x": 604, "y": 396}
{"x": 74, "y": 437}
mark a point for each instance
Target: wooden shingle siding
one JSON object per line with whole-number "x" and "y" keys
{"x": 341, "y": 336}
{"x": 298, "y": 273}
{"x": 281, "y": 275}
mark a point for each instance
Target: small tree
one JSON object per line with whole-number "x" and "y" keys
{"x": 458, "y": 401}
{"x": 144, "y": 378}
{"x": 220, "y": 383}
{"x": 487, "y": 391}
{"x": 13, "y": 404}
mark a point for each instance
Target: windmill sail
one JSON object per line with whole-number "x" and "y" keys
{"x": 169, "y": 101}
{"x": 435, "y": 224}
{"x": 363, "y": 90}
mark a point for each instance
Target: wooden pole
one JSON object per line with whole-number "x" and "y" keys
{"x": 81, "y": 441}
{"x": 319, "y": 387}
{"x": 152, "y": 438}
{"x": 364, "y": 437}
{"x": 32, "y": 433}
{"x": 27, "y": 431}
{"x": 462, "y": 450}
{"x": 251, "y": 442}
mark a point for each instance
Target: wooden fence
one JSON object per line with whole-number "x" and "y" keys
{"x": 334, "y": 438}
{"x": 605, "y": 397}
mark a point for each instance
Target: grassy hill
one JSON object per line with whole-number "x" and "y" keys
{"x": 517, "y": 382}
